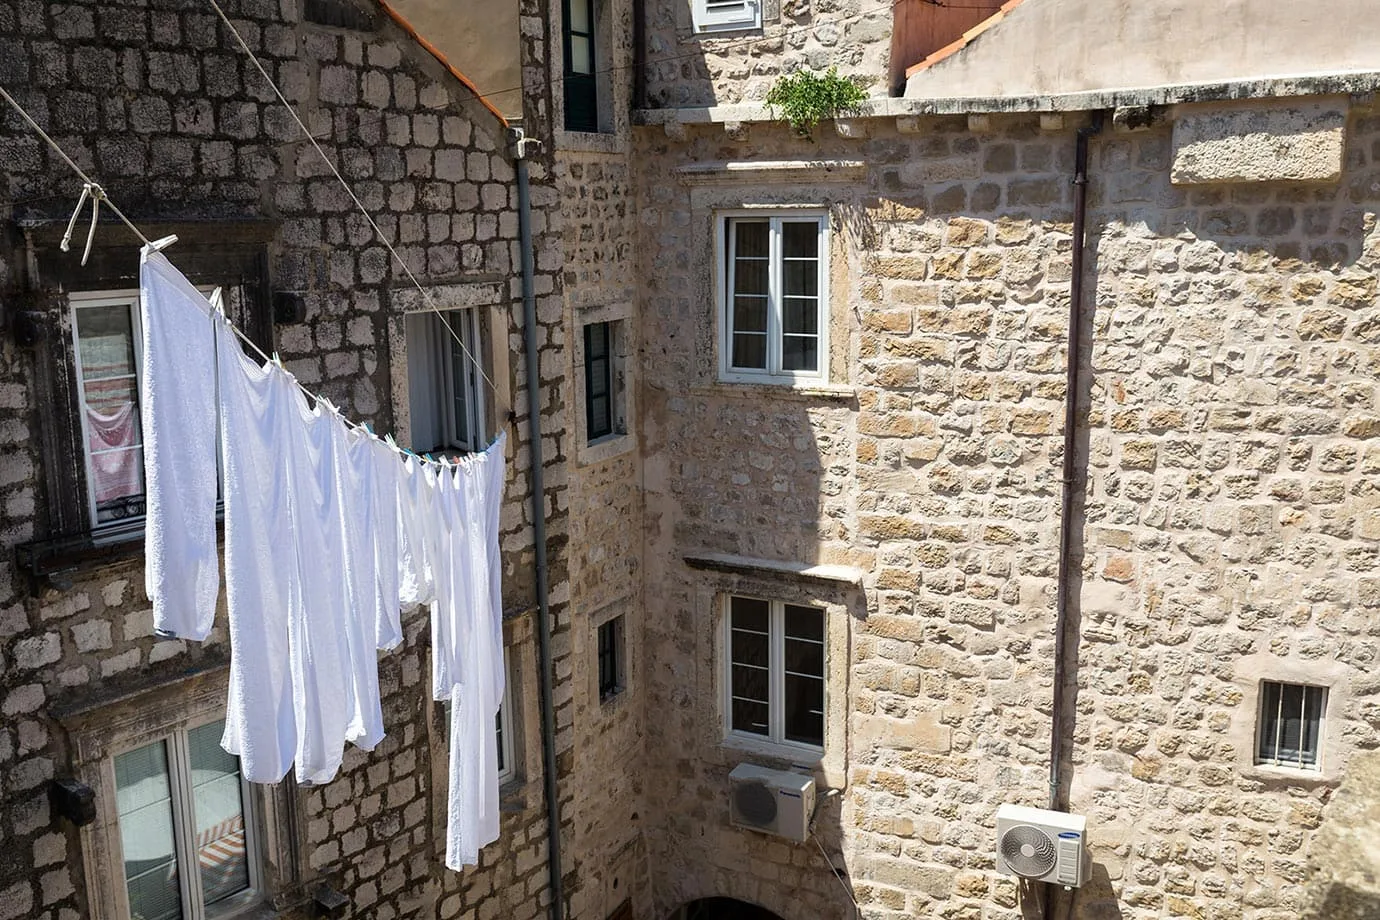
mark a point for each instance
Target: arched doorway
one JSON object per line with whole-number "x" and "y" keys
{"x": 722, "y": 909}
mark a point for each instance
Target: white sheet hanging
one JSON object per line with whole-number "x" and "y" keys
{"x": 258, "y": 408}
{"x": 467, "y": 648}
{"x": 323, "y": 692}
{"x": 178, "y": 389}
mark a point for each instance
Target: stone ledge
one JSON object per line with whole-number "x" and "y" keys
{"x": 818, "y": 392}
{"x": 749, "y": 565}
{"x": 737, "y": 171}
{"x": 1255, "y": 88}
{"x": 450, "y": 295}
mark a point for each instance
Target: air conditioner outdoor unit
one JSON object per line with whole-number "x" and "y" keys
{"x": 1043, "y": 846}
{"x": 771, "y": 801}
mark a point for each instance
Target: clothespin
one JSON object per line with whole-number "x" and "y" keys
{"x": 278, "y": 361}
{"x": 217, "y": 300}
{"x": 96, "y": 194}
{"x": 388, "y": 439}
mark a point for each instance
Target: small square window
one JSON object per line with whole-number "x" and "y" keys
{"x": 1291, "y": 724}
{"x": 776, "y": 671}
{"x": 611, "y": 659}
{"x": 773, "y": 310}
{"x": 444, "y": 386}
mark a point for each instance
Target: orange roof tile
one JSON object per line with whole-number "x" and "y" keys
{"x": 956, "y": 46}
{"x": 432, "y": 50}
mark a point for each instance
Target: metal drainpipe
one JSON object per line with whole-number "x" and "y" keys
{"x": 548, "y": 714}
{"x": 1059, "y": 714}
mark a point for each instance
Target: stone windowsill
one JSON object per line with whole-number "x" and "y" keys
{"x": 605, "y": 448}
{"x": 810, "y": 393}
{"x": 613, "y": 142}
{"x": 748, "y": 565}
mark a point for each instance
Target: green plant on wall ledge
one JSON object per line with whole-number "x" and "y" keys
{"x": 805, "y": 98}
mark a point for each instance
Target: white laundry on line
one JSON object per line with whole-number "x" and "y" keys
{"x": 177, "y": 382}
{"x": 328, "y": 533}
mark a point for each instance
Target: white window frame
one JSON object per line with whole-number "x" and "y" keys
{"x": 179, "y": 776}
{"x": 504, "y": 726}
{"x": 775, "y": 738}
{"x": 725, "y": 15}
{"x": 440, "y": 368}
{"x": 87, "y": 300}
{"x": 723, "y": 270}
{"x": 1317, "y": 765}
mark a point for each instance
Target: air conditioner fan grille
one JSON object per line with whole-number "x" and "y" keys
{"x": 755, "y": 802}
{"x": 1028, "y": 851}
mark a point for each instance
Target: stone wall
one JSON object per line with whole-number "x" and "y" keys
{"x": 685, "y": 69}
{"x": 160, "y": 105}
{"x": 1226, "y": 535}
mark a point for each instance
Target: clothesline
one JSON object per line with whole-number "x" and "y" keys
{"x": 95, "y": 190}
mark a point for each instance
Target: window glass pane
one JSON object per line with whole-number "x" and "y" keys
{"x": 581, "y": 55}
{"x": 105, "y": 342}
{"x": 750, "y": 350}
{"x": 1314, "y": 698}
{"x": 217, "y": 800}
{"x": 498, "y": 731}
{"x": 751, "y": 614}
{"x": 804, "y": 623}
{"x": 143, "y": 796}
{"x": 800, "y": 353}
{"x": 752, "y": 238}
{"x": 800, "y": 239}
{"x": 749, "y": 314}
{"x": 800, "y": 278}
{"x": 608, "y": 657}
{"x": 747, "y": 716}
{"x": 804, "y": 710}
{"x": 800, "y": 315}
{"x": 579, "y": 16}
{"x": 750, "y": 276}
{"x": 1290, "y": 721}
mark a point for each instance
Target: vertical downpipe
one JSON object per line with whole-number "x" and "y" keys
{"x": 1057, "y": 798}
{"x": 1061, "y": 725}
{"x": 531, "y": 357}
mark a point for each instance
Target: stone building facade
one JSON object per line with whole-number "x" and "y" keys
{"x": 158, "y": 103}
{"x": 904, "y": 490}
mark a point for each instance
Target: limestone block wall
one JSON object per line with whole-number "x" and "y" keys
{"x": 1225, "y": 538}
{"x": 686, "y": 69}
{"x": 162, "y": 108}
{"x": 601, "y": 738}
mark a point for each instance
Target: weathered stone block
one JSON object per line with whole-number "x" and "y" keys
{"x": 1300, "y": 142}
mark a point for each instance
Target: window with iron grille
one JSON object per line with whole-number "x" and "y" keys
{"x": 599, "y": 407}
{"x": 1291, "y": 725}
{"x": 581, "y": 77}
{"x": 776, "y": 671}
{"x": 611, "y": 658}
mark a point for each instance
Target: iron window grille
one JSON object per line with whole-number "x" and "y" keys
{"x": 1291, "y": 725}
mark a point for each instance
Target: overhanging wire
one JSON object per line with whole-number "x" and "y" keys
{"x": 426, "y": 296}
{"x": 239, "y": 333}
